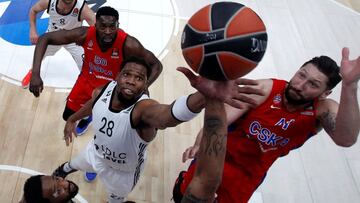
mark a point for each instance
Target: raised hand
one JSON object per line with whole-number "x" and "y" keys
{"x": 236, "y": 93}
{"x": 350, "y": 69}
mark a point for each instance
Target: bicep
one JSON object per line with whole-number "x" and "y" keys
{"x": 40, "y": 6}
{"x": 134, "y": 48}
{"x": 157, "y": 115}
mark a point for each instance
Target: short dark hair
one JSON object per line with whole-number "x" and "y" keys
{"x": 107, "y": 11}
{"x": 33, "y": 190}
{"x": 139, "y": 61}
{"x": 328, "y": 67}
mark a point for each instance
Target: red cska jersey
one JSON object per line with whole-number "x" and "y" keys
{"x": 98, "y": 68}
{"x": 256, "y": 140}
{"x": 101, "y": 67}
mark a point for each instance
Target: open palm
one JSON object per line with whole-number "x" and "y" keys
{"x": 350, "y": 69}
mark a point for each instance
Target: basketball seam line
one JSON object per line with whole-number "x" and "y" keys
{"x": 198, "y": 31}
{"x": 228, "y": 52}
{"x": 221, "y": 67}
{"x": 232, "y": 17}
{"x": 237, "y": 37}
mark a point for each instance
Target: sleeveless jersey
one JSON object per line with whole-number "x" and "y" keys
{"x": 101, "y": 67}
{"x": 256, "y": 140}
{"x": 64, "y": 22}
{"x": 116, "y": 142}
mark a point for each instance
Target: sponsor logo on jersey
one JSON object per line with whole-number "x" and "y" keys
{"x": 267, "y": 137}
{"x": 274, "y": 107}
{"x": 75, "y": 12}
{"x": 277, "y": 99}
{"x": 110, "y": 155}
{"x": 115, "y": 53}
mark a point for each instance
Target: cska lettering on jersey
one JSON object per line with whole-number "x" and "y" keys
{"x": 266, "y": 136}
{"x": 96, "y": 66}
{"x": 119, "y": 158}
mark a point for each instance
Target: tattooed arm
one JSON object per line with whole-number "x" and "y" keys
{"x": 211, "y": 155}
{"x": 341, "y": 121}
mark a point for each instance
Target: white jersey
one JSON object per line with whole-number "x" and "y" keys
{"x": 116, "y": 142}
{"x": 64, "y": 22}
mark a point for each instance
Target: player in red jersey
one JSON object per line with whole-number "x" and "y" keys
{"x": 286, "y": 117}
{"x": 105, "y": 47}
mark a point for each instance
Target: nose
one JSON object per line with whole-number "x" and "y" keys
{"x": 299, "y": 85}
{"x": 107, "y": 30}
{"x": 64, "y": 184}
{"x": 130, "y": 80}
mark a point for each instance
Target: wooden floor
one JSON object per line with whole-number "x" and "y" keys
{"x": 31, "y": 128}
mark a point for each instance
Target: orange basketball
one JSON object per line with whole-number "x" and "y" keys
{"x": 224, "y": 41}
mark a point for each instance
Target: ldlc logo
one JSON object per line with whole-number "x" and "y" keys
{"x": 14, "y": 22}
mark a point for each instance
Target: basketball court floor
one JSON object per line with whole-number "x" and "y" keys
{"x": 31, "y": 128}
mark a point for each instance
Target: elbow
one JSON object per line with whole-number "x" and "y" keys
{"x": 346, "y": 143}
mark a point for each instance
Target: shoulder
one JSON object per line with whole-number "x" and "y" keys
{"x": 41, "y": 5}
{"x": 140, "y": 106}
{"x": 326, "y": 106}
{"x": 132, "y": 43}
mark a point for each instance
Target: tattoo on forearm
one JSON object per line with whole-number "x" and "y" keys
{"x": 328, "y": 121}
{"x": 214, "y": 136}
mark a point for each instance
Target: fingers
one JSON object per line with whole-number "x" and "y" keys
{"x": 244, "y": 81}
{"x": 36, "y": 90}
{"x": 235, "y": 103}
{"x": 250, "y": 90}
{"x": 189, "y": 154}
{"x": 345, "y": 53}
{"x": 188, "y": 73}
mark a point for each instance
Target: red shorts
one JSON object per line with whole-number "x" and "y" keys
{"x": 80, "y": 93}
{"x": 237, "y": 185}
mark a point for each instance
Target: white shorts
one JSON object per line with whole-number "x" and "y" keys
{"x": 118, "y": 183}
{"x": 76, "y": 52}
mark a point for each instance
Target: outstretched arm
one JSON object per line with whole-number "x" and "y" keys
{"x": 341, "y": 121}
{"x": 77, "y": 35}
{"x": 134, "y": 48}
{"x": 35, "y": 9}
{"x": 211, "y": 156}
{"x": 162, "y": 115}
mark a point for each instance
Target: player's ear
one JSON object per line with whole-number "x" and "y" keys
{"x": 325, "y": 94}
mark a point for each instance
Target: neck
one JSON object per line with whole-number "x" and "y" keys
{"x": 294, "y": 107}
{"x": 64, "y": 8}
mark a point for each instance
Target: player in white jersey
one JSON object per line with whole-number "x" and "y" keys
{"x": 126, "y": 120}
{"x": 64, "y": 14}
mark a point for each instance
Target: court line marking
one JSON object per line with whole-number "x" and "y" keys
{"x": 32, "y": 172}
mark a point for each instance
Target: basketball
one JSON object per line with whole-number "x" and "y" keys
{"x": 224, "y": 41}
